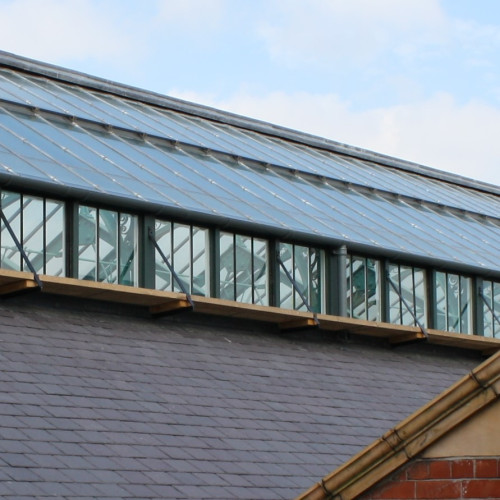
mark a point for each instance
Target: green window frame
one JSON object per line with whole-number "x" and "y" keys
{"x": 491, "y": 308}
{"x": 306, "y": 266}
{"x": 187, "y": 249}
{"x": 453, "y": 302}
{"x": 39, "y": 225}
{"x": 107, "y": 246}
{"x": 407, "y": 295}
{"x": 243, "y": 268}
{"x": 363, "y": 288}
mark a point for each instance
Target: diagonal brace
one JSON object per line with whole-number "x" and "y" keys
{"x": 151, "y": 236}
{"x": 21, "y": 249}
{"x": 408, "y": 307}
{"x": 296, "y": 287}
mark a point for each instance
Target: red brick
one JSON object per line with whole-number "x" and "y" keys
{"x": 439, "y": 469}
{"x": 487, "y": 467}
{"x": 481, "y": 488}
{"x": 396, "y": 489}
{"x": 399, "y": 475}
{"x": 418, "y": 470}
{"x": 438, "y": 489}
{"x": 462, "y": 469}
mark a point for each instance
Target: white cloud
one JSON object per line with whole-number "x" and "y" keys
{"x": 59, "y": 30}
{"x": 436, "y": 132}
{"x": 354, "y": 31}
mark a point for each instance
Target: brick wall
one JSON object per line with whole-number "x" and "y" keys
{"x": 441, "y": 479}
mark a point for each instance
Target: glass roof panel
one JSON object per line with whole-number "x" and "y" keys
{"x": 91, "y": 157}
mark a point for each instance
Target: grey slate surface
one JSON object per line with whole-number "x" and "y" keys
{"x": 102, "y": 403}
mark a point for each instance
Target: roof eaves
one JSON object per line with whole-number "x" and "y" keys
{"x": 59, "y": 73}
{"x": 458, "y": 403}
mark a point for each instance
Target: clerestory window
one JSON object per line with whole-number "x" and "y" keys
{"x": 186, "y": 250}
{"x": 38, "y": 224}
{"x": 107, "y": 246}
{"x": 243, "y": 269}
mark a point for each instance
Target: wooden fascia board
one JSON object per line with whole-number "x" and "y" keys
{"x": 159, "y": 302}
{"x": 462, "y": 400}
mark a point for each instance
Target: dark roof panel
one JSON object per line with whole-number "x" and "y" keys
{"x": 96, "y": 402}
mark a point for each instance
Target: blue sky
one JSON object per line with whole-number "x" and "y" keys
{"x": 416, "y": 79}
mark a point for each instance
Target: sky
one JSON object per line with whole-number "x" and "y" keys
{"x": 415, "y": 79}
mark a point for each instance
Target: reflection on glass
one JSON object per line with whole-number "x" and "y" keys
{"x": 107, "y": 246}
{"x": 243, "y": 268}
{"x": 363, "y": 288}
{"x": 11, "y": 206}
{"x": 304, "y": 265}
{"x": 38, "y": 224}
{"x": 407, "y": 295}
{"x": 453, "y": 302}
{"x": 87, "y": 248}
{"x": 491, "y": 309}
{"x": 54, "y": 238}
{"x": 186, "y": 249}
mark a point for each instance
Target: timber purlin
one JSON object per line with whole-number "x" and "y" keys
{"x": 161, "y": 302}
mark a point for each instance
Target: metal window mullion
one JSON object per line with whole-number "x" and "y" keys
{"x": 295, "y": 286}
{"x": 491, "y": 307}
{"x": 152, "y": 237}
{"x": 402, "y": 301}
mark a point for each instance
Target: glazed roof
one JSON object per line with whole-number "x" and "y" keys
{"x": 74, "y": 135}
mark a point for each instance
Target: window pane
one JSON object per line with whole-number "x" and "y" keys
{"x": 406, "y": 290}
{"x": 87, "y": 249}
{"x": 226, "y": 262}
{"x": 453, "y": 303}
{"x": 487, "y": 315}
{"x": 11, "y": 206}
{"x": 243, "y": 249}
{"x": 260, "y": 257}
{"x": 440, "y": 297}
{"x": 394, "y": 300}
{"x": 301, "y": 275}
{"x": 163, "y": 277}
{"x": 201, "y": 261}
{"x": 465, "y": 306}
{"x": 496, "y": 309}
{"x": 286, "y": 288}
{"x": 128, "y": 249}
{"x": 315, "y": 285}
{"x": 54, "y": 238}
{"x": 372, "y": 289}
{"x": 420, "y": 296}
{"x": 182, "y": 256}
{"x": 108, "y": 243}
{"x": 33, "y": 243}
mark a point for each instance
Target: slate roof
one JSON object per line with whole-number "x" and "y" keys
{"x": 101, "y": 402}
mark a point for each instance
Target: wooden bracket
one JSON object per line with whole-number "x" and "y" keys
{"x": 17, "y": 287}
{"x": 171, "y": 307}
{"x": 407, "y": 338}
{"x": 298, "y": 324}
